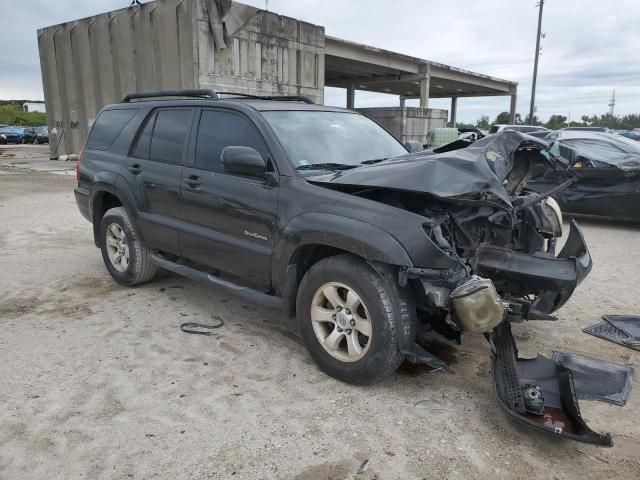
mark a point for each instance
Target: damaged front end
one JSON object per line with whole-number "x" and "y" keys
{"x": 503, "y": 238}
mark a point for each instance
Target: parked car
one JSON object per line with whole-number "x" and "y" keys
{"x": 29, "y": 135}
{"x": 607, "y": 168}
{"x": 518, "y": 128}
{"x": 320, "y": 212}
{"x": 10, "y": 135}
{"x": 632, "y": 134}
{"x": 42, "y": 135}
{"x": 588, "y": 129}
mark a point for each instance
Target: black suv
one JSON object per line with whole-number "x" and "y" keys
{"x": 367, "y": 248}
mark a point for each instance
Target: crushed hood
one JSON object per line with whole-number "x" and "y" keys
{"x": 482, "y": 168}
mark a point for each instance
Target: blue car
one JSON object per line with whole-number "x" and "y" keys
{"x": 10, "y": 135}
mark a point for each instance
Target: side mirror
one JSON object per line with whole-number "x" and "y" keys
{"x": 243, "y": 161}
{"x": 413, "y": 146}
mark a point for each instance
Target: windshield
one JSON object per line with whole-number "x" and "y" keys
{"x": 332, "y": 139}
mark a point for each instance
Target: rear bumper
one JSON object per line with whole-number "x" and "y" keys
{"x": 82, "y": 200}
{"x": 552, "y": 280}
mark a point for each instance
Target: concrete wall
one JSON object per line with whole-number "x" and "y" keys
{"x": 416, "y": 123}
{"x": 167, "y": 44}
{"x": 89, "y": 63}
{"x": 270, "y": 55}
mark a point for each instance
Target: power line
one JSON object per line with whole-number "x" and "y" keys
{"x": 535, "y": 64}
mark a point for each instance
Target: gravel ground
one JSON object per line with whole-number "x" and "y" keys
{"x": 97, "y": 381}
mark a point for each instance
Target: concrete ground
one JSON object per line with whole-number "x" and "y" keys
{"x": 98, "y": 381}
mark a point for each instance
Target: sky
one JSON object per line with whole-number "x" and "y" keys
{"x": 591, "y": 47}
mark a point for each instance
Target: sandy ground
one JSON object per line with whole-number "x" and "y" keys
{"x": 97, "y": 381}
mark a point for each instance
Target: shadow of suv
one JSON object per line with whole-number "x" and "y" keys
{"x": 321, "y": 212}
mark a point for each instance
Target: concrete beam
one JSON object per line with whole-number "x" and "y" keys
{"x": 512, "y": 110}
{"x": 472, "y": 80}
{"x": 454, "y": 111}
{"x": 424, "y": 91}
{"x": 403, "y": 108}
{"x": 351, "y": 96}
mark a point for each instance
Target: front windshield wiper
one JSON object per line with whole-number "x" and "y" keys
{"x": 375, "y": 160}
{"x": 326, "y": 166}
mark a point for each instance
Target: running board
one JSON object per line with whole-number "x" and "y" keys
{"x": 249, "y": 294}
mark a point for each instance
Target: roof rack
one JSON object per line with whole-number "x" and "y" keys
{"x": 172, "y": 93}
{"x": 283, "y": 98}
{"x": 213, "y": 95}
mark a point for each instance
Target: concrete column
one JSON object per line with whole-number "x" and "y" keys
{"x": 351, "y": 96}
{"x": 403, "y": 110}
{"x": 454, "y": 111}
{"x": 424, "y": 91}
{"x": 512, "y": 110}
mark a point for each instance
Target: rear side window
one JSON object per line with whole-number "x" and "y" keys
{"x": 219, "y": 130}
{"x": 107, "y": 128}
{"x": 144, "y": 140}
{"x": 169, "y": 135}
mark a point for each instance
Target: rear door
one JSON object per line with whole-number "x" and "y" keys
{"x": 229, "y": 220}
{"x": 154, "y": 169}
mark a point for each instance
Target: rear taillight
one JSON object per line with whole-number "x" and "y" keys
{"x": 78, "y": 165}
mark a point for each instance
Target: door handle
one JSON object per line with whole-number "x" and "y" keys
{"x": 135, "y": 169}
{"x": 193, "y": 181}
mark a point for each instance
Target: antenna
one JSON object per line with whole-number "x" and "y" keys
{"x": 612, "y": 103}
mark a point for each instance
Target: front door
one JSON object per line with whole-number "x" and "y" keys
{"x": 154, "y": 171}
{"x": 229, "y": 221}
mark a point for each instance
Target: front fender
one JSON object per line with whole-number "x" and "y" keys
{"x": 354, "y": 236}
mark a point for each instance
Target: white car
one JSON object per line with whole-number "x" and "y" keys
{"x": 518, "y": 128}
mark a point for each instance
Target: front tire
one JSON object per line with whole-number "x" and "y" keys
{"x": 348, "y": 314}
{"x": 125, "y": 256}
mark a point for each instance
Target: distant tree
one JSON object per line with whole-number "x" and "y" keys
{"x": 461, "y": 125}
{"x": 483, "y": 123}
{"x": 13, "y": 114}
{"x": 519, "y": 120}
{"x": 536, "y": 121}
{"x": 503, "y": 118}
{"x": 556, "y": 122}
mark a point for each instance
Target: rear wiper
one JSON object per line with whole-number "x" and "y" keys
{"x": 326, "y": 166}
{"x": 375, "y": 160}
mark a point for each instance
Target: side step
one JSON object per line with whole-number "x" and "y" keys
{"x": 249, "y": 294}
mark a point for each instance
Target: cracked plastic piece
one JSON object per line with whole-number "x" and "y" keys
{"x": 596, "y": 379}
{"x": 514, "y": 380}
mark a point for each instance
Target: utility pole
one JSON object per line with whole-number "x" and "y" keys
{"x": 266, "y": 6}
{"x": 535, "y": 64}
{"x": 612, "y": 103}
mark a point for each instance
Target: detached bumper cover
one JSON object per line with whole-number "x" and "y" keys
{"x": 538, "y": 392}
{"x": 553, "y": 280}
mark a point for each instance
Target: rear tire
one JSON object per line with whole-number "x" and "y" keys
{"x": 125, "y": 256}
{"x": 338, "y": 337}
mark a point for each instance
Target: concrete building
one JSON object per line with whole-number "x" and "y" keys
{"x": 34, "y": 107}
{"x": 227, "y": 46}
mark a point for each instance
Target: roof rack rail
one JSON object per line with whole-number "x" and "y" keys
{"x": 172, "y": 93}
{"x": 283, "y": 98}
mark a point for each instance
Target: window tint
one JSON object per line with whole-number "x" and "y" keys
{"x": 169, "y": 135}
{"x": 219, "y": 130}
{"x": 107, "y": 128}
{"x": 144, "y": 140}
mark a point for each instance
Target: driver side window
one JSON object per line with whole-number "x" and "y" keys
{"x": 219, "y": 130}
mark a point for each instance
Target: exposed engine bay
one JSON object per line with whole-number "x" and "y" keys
{"x": 503, "y": 239}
